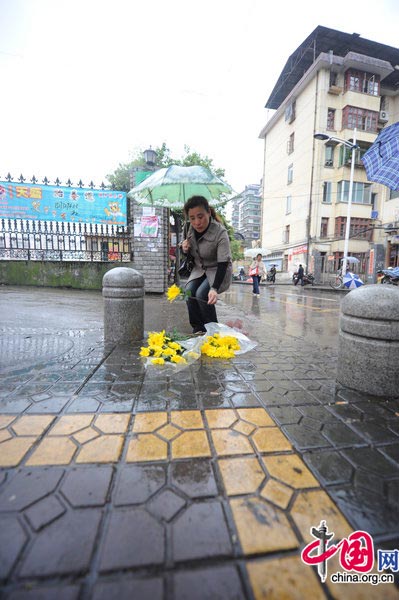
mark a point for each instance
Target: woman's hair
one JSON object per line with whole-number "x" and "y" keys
{"x": 195, "y": 201}
{"x": 259, "y": 255}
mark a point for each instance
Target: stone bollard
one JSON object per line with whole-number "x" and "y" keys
{"x": 123, "y": 293}
{"x": 368, "y": 353}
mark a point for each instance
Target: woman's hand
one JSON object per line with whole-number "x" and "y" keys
{"x": 185, "y": 246}
{"x": 212, "y": 296}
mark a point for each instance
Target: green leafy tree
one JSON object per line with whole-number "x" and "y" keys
{"x": 120, "y": 179}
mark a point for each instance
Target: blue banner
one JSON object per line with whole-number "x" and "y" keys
{"x": 51, "y": 203}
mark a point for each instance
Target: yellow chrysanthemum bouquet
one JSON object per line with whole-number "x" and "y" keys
{"x": 220, "y": 346}
{"x": 164, "y": 349}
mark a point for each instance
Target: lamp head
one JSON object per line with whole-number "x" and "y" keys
{"x": 321, "y": 136}
{"x": 150, "y": 156}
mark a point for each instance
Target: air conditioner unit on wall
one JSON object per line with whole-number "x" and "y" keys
{"x": 384, "y": 117}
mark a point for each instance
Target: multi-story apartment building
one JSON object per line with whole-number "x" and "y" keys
{"x": 333, "y": 83}
{"x": 246, "y": 217}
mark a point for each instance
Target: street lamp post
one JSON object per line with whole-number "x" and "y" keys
{"x": 150, "y": 156}
{"x": 352, "y": 145}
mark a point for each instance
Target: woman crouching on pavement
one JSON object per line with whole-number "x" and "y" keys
{"x": 208, "y": 243}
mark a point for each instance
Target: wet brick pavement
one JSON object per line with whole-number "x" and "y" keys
{"x": 121, "y": 483}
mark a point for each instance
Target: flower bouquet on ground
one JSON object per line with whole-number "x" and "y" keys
{"x": 222, "y": 341}
{"x": 167, "y": 350}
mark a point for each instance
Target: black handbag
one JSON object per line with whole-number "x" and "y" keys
{"x": 186, "y": 266}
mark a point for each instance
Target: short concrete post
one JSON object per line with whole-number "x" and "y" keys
{"x": 123, "y": 293}
{"x": 368, "y": 354}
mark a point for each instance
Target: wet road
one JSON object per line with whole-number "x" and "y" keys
{"x": 31, "y": 316}
{"x": 309, "y": 314}
{"x": 312, "y": 315}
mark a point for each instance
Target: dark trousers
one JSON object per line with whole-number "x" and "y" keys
{"x": 301, "y": 280}
{"x": 199, "y": 312}
{"x": 255, "y": 283}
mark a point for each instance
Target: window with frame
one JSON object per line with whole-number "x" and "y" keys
{"x": 361, "y": 193}
{"x": 324, "y": 227}
{"x": 290, "y": 174}
{"x": 345, "y": 155}
{"x": 327, "y": 186}
{"x": 364, "y": 120}
{"x": 328, "y": 156}
{"x": 290, "y": 112}
{"x": 288, "y": 205}
{"x": 359, "y": 228}
{"x": 286, "y": 234}
{"x": 290, "y": 144}
{"x": 361, "y": 81}
{"x": 331, "y": 118}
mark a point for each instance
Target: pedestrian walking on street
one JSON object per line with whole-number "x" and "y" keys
{"x": 257, "y": 271}
{"x": 299, "y": 275}
{"x": 208, "y": 243}
{"x": 272, "y": 274}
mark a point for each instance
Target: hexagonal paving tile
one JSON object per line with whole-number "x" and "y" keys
{"x": 233, "y": 470}
{"x": 261, "y": 526}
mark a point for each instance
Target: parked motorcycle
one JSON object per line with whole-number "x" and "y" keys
{"x": 390, "y": 275}
{"x": 307, "y": 278}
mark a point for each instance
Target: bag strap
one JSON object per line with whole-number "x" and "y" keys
{"x": 186, "y": 227}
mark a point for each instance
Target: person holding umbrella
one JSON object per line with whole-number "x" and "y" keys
{"x": 208, "y": 243}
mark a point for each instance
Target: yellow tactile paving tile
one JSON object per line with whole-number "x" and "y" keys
{"x": 191, "y": 444}
{"x": 277, "y": 492}
{"x": 306, "y": 511}
{"x": 187, "y": 419}
{"x": 32, "y": 424}
{"x": 241, "y": 475}
{"x": 168, "y": 432}
{"x": 53, "y": 451}
{"x": 112, "y": 423}
{"x": 220, "y": 417}
{"x": 12, "y": 451}
{"x": 146, "y": 447}
{"x": 285, "y": 578}
{"x": 5, "y": 420}
{"x": 290, "y": 469}
{"x": 256, "y": 416}
{"x": 261, "y": 527}
{"x": 243, "y": 427}
{"x": 71, "y": 424}
{"x": 84, "y": 435}
{"x": 270, "y": 439}
{"x": 228, "y": 441}
{"x": 149, "y": 422}
{"x": 105, "y": 449}
{"x": 4, "y": 435}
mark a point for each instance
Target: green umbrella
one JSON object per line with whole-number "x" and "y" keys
{"x": 172, "y": 186}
